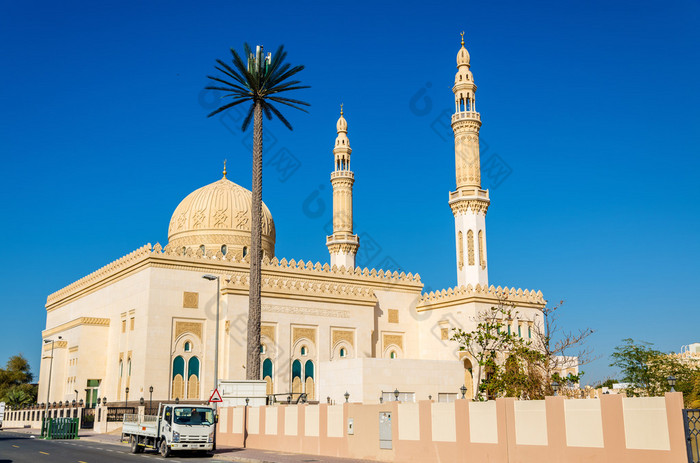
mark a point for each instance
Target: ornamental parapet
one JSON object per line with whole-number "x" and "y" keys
{"x": 479, "y": 293}
{"x": 174, "y": 257}
{"x": 466, "y": 115}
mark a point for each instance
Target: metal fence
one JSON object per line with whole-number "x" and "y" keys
{"x": 117, "y": 413}
{"x": 59, "y": 428}
{"x": 691, "y": 420}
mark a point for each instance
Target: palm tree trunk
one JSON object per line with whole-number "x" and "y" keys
{"x": 253, "y": 361}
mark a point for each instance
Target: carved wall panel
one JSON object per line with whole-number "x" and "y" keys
{"x": 190, "y": 300}
{"x": 188, "y": 327}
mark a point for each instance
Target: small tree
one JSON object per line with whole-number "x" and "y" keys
{"x": 646, "y": 369}
{"x": 556, "y": 346}
{"x": 484, "y": 342}
{"x": 15, "y": 381}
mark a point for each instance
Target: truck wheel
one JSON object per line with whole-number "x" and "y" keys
{"x": 134, "y": 444}
{"x": 164, "y": 449}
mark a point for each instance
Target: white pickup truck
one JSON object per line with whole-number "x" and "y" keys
{"x": 176, "y": 427}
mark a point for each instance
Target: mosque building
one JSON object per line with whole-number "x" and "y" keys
{"x": 148, "y": 319}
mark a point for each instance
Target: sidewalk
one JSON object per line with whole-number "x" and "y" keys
{"x": 265, "y": 456}
{"x": 230, "y": 453}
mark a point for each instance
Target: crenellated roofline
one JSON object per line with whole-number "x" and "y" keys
{"x": 323, "y": 277}
{"x": 488, "y": 294}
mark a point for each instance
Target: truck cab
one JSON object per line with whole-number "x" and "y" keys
{"x": 176, "y": 427}
{"x": 187, "y": 427}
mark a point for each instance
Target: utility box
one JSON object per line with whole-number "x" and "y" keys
{"x": 385, "y": 430}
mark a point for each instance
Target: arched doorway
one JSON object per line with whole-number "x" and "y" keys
{"x": 468, "y": 378}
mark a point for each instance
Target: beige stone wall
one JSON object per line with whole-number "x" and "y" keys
{"x": 365, "y": 379}
{"x": 640, "y": 431}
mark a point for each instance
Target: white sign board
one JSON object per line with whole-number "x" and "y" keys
{"x": 234, "y": 392}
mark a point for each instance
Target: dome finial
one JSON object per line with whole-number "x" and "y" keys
{"x": 224, "y": 168}
{"x": 341, "y": 109}
{"x": 462, "y": 38}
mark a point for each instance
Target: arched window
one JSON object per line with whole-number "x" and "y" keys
{"x": 128, "y": 367}
{"x": 343, "y": 352}
{"x": 193, "y": 378}
{"x": 309, "y": 379}
{"x": 267, "y": 375}
{"x": 392, "y": 354}
{"x": 224, "y": 249}
{"x": 178, "y": 383}
{"x": 263, "y": 348}
{"x": 203, "y": 249}
{"x": 188, "y": 346}
{"x": 304, "y": 350}
{"x": 470, "y": 247}
{"x": 245, "y": 251}
{"x": 184, "y": 249}
{"x": 121, "y": 368}
{"x": 296, "y": 377}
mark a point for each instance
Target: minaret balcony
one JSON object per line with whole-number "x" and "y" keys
{"x": 462, "y": 115}
{"x": 469, "y": 194}
{"x": 342, "y": 238}
{"x": 342, "y": 174}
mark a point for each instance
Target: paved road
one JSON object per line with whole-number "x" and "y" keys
{"x": 18, "y": 447}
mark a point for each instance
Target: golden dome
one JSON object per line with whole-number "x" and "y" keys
{"x": 217, "y": 216}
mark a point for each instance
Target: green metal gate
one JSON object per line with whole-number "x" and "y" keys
{"x": 59, "y": 428}
{"x": 691, "y": 420}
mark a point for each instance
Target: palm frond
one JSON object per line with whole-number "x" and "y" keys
{"x": 280, "y": 116}
{"x": 266, "y": 109}
{"x": 224, "y": 107}
{"x": 289, "y": 100}
{"x": 233, "y": 86}
{"x": 257, "y": 84}
{"x": 287, "y": 89}
{"x": 248, "y": 118}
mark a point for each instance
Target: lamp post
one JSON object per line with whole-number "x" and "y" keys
{"x": 396, "y": 394}
{"x": 150, "y": 400}
{"x": 104, "y": 401}
{"x": 347, "y": 396}
{"x": 126, "y": 398}
{"x": 555, "y": 387}
{"x": 216, "y": 350}
{"x": 48, "y": 389}
{"x": 672, "y": 382}
{"x": 463, "y": 390}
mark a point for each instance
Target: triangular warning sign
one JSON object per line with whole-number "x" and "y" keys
{"x": 215, "y": 397}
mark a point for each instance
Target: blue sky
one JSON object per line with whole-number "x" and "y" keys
{"x": 589, "y": 107}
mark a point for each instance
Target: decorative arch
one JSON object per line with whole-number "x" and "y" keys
{"x": 468, "y": 377}
{"x": 482, "y": 250}
{"x": 470, "y": 247}
{"x": 267, "y": 375}
{"x": 338, "y": 349}
{"x": 393, "y": 349}
{"x": 178, "y": 380}
{"x": 460, "y": 250}
{"x": 193, "y": 378}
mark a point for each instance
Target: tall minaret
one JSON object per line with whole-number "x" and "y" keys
{"x": 342, "y": 244}
{"x": 469, "y": 202}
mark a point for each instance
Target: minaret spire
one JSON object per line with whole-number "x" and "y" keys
{"x": 342, "y": 244}
{"x": 469, "y": 203}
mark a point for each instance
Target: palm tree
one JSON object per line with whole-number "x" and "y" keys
{"x": 259, "y": 82}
